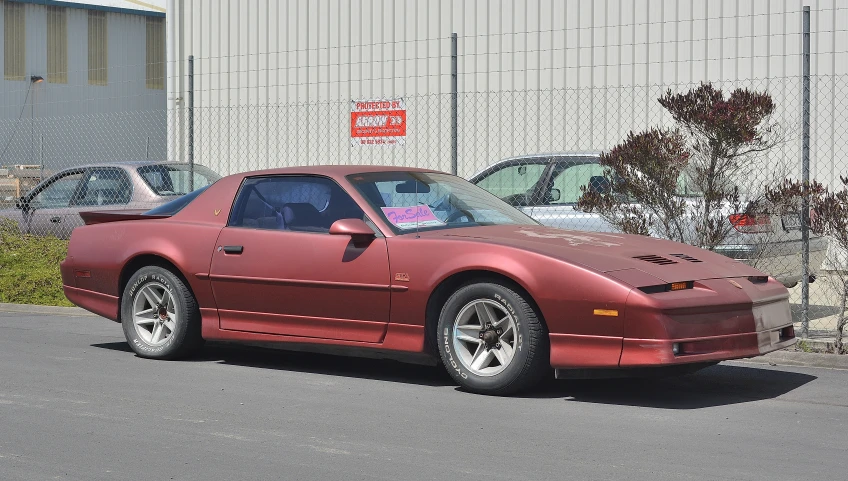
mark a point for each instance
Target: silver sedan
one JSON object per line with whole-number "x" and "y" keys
{"x": 52, "y": 207}
{"x": 547, "y": 186}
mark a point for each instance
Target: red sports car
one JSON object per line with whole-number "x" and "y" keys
{"x": 417, "y": 262}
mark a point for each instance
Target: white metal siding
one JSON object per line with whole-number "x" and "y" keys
{"x": 533, "y": 75}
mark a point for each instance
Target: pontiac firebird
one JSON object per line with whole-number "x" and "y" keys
{"x": 398, "y": 261}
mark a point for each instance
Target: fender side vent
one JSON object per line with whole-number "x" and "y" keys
{"x": 686, "y": 258}
{"x": 655, "y": 259}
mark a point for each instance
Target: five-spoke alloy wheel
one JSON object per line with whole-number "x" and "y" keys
{"x": 159, "y": 314}
{"x": 491, "y": 339}
{"x": 484, "y": 337}
{"x": 154, "y": 313}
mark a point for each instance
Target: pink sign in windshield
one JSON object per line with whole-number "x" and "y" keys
{"x": 410, "y": 217}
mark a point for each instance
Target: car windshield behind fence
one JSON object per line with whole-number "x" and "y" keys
{"x": 176, "y": 179}
{"x": 411, "y": 201}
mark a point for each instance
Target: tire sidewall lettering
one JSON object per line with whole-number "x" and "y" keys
{"x": 520, "y": 340}
{"x": 142, "y": 279}
{"x": 151, "y": 349}
{"x": 449, "y": 353}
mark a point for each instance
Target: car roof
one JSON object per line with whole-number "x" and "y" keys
{"x": 123, "y": 163}
{"x": 334, "y": 171}
{"x": 541, "y": 157}
{"x": 547, "y": 155}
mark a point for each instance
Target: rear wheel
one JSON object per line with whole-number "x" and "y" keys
{"x": 491, "y": 340}
{"x": 159, "y": 315}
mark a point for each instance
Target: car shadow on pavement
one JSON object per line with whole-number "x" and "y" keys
{"x": 714, "y": 386}
{"x": 310, "y": 362}
{"x": 114, "y": 346}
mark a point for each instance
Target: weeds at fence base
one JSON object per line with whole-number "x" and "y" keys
{"x": 29, "y": 267}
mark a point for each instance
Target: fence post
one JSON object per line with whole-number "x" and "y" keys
{"x": 191, "y": 123}
{"x": 454, "y": 108}
{"x": 805, "y": 175}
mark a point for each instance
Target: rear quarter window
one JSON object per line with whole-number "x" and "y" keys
{"x": 176, "y": 205}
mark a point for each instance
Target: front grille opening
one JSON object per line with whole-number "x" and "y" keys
{"x": 686, "y": 258}
{"x": 655, "y": 259}
{"x": 758, "y": 279}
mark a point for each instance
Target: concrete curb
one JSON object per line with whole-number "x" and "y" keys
{"x": 801, "y": 359}
{"x": 36, "y": 309}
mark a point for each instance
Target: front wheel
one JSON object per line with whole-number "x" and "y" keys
{"x": 159, "y": 315}
{"x": 491, "y": 340}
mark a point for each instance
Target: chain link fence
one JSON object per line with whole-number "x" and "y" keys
{"x": 534, "y": 144}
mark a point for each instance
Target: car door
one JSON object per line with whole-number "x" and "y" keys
{"x": 48, "y": 211}
{"x": 562, "y": 191}
{"x": 277, "y": 270}
{"x": 517, "y": 182}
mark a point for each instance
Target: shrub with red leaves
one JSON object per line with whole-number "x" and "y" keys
{"x": 716, "y": 140}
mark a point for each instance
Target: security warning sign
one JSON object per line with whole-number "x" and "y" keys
{"x": 377, "y": 122}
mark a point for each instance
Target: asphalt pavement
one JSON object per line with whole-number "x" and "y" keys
{"x": 75, "y": 403}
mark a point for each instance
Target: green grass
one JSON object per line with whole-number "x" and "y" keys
{"x": 29, "y": 267}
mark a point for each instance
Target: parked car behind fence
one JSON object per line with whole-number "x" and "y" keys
{"x": 52, "y": 207}
{"x": 547, "y": 187}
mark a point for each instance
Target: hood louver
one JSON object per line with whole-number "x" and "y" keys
{"x": 686, "y": 258}
{"x": 655, "y": 259}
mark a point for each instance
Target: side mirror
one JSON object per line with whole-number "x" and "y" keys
{"x": 556, "y": 195}
{"x": 522, "y": 169}
{"x": 357, "y": 229}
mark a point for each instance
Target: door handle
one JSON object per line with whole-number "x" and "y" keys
{"x": 56, "y": 219}
{"x": 233, "y": 249}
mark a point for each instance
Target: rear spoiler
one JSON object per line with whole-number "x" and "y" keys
{"x": 103, "y": 216}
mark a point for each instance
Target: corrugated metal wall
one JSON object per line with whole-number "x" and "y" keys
{"x": 78, "y": 122}
{"x": 274, "y": 79}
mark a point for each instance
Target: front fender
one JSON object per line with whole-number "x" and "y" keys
{"x": 567, "y": 294}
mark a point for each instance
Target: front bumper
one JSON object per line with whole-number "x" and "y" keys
{"x": 661, "y": 352}
{"x": 591, "y": 352}
{"x": 716, "y": 320}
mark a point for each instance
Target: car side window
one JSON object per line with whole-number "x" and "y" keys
{"x": 294, "y": 203}
{"x": 104, "y": 187}
{"x": 514, "y": 184}
{"x": 568, "y": 182}
{"x": 58, "y": 194}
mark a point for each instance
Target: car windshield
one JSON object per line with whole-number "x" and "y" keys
{"x": 411, "y": 201}
{"x": 685, "y": 186}
{"x": 175, "y": 179}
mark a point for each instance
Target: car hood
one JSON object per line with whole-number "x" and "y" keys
{"x": 627, "y": 257}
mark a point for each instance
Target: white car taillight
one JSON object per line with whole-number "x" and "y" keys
{"x": 750, "y": 224}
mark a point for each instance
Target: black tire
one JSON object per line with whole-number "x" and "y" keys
{"x": 531, "y": 358}
{"x": 185, "y": 337}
